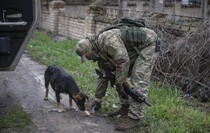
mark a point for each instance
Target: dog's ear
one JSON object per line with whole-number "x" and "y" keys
{"x": 51, "y": 69}
{"x": 77, "y": 97}
{"x": 85, "y": 96}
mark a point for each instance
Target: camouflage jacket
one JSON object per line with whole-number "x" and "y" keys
{"x": 112, "y": 47}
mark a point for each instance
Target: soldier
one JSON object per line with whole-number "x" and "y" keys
{"x": 128, "y": 51}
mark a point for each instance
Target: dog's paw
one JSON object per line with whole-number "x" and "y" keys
{"x": 45, "y": 98}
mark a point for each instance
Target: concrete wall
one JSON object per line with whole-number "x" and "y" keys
{"x": 76, "y": 10}
{"x": 178, "y": 10}
{"x": 72, "y": 22}
{"x": 46, "y": 21}
{"x": 71, "y": 27}
{"x": 158, "y": 6}
{"x": 100, "y": 26}
{"x": 78, "y": 21}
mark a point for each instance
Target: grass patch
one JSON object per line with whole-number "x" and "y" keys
{"x": 169, "y": 112}
{"x": 15, "y": 118}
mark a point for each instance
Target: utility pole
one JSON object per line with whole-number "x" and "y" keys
{"x": 123, "y": 6}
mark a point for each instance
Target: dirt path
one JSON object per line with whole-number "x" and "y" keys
{"x": 25, "y": 85}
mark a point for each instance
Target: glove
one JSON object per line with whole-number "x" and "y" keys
{"x": 121, "y": 91}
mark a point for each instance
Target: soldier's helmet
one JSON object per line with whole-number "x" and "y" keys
{"x": 82, "y": 47}
{"x": 85, "y": 45}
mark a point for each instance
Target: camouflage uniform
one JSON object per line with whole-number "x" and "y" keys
{"x": 112, "y": 45}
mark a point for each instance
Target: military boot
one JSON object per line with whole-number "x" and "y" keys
{"x": 93, "y": 105}
{"x": 122, "y": 111}
{"x": 127, "y": 123}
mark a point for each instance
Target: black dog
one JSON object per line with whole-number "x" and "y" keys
{"x": 62, "y": 82}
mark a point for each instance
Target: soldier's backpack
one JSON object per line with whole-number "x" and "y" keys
{"x": 130, "y": 31}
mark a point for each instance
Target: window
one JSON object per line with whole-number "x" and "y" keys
{"x": 190, "y": 3}
{"x": 169, "y": 3}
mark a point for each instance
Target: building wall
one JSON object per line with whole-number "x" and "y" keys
{"x": 45, "y": 20}
{"x": 184, "y": 11}
{"x": 100, "y": 26}
{"x": 71, "y": 27}
{"x": 61, "y": 23}
{"x": 78, "y": 21}
{"x": 76, "y": 10}
{"x": 176, "y": 9}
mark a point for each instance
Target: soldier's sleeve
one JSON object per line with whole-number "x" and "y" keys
{"x": 118, "y": 53}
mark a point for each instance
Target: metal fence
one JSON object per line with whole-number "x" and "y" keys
{"x": 178, "y": 22}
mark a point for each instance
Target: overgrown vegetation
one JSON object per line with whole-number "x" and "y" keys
{"x": 15, "y": 119}
{"x": 169, "y": 111}
{"x": 184, "y": 57}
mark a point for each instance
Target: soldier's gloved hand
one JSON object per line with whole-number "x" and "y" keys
{"x": 121, "y": 91}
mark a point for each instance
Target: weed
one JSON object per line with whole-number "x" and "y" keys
{"x": 15, "y": 118}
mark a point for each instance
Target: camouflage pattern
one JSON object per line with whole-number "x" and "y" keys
{"x": 111, "y": 46}
{"x": 102, "y": 85}
{"x": 140, "y": 76}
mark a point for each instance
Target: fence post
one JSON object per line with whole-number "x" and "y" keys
{"x": 204, "y": 9}
{"x": 90, "y": 22}
{"x": 55, "y": 5}
{"x": 123, "y": 6}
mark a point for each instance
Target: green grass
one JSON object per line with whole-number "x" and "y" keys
{"x": 169, "y": 113}
{"x": 15, "y": 118}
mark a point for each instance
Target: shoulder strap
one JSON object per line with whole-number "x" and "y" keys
{"x": 125, "y": 22}
{"x": 111, "y": 27}
{"x": 104, "y": 56}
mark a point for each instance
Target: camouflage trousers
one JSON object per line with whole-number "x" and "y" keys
{"x": 140, "y": 76}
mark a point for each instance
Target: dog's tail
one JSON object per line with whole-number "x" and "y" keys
{"x": 47, "y": 76}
